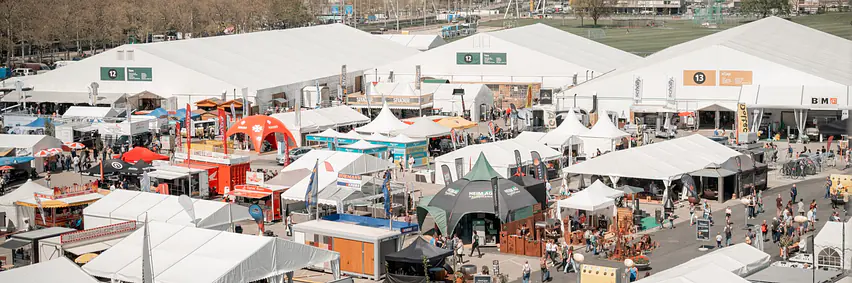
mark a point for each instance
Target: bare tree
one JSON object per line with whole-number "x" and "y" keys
{"x": 594, "y": 9}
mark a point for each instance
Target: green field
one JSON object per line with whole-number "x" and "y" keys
{"x": 646, "y": 40}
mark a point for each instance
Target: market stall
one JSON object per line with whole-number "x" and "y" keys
{"x": 223, "y": 171}
{"x": 385, "y": 123}
{"x": 403, "y": 147}
{"x": 603, "y": 136}
{"x": 365, "y": 147}
{"x": 267, "y": 197}
{"x": 80, "y": 242}
{"x": 61, "y": 206}
{"x": 181, "y": 180}
{"x": 17, "y": 214}
{"x": 565, "y": 136}
{"x": 420, "y": 256}
{"x": 29, "y": 242}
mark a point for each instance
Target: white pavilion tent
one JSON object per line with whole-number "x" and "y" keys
{"x": 385, "y": 123}
{"x": 425, "y": 128}
{"x": 601, "y": 189}
{"x": 362, "y": 145}
{"x": 60, "y": 269}
{"x": 189, "y": 254}
{"x": 828, "y": 244}
{"x": 341, "y": 162}
{"x": 602, "y": 136}
{"x": 500, "y": 155}
{"x": 312, "y": 121}
{"x": 15, "y": 213}
{"x": 528, "y": 136}
{"x": 566, "y": 133}
{"x": 123, "y": 205}
{"x": 740, "y": 260}
{"x": 700, "y": 274}
{"x": 89, "y": 112}
{"x": 586, "y": 200}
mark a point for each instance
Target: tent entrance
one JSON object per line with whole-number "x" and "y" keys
{"x": 483, "y": 223}
{"x": 716, "y": 119}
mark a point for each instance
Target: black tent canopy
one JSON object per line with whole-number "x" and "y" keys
{"x": 534, "y": 186}
{"x": 111, "y": 167}
{"x": 418, "y": 250}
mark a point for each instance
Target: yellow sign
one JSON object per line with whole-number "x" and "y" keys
{"x": 734, "y": 78}
{"x": 598, "y": 274}
{"x": 699, "y": 77}
{"x": 742, "y": 120}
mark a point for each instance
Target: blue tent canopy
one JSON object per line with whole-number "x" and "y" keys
{"x": 37, "y": 123}
{"x": 181, "y": 113}
{"x": 159, "y": 112}
{"x": 4, "y": 161}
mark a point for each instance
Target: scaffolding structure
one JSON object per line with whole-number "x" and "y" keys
{"x": 710, "y": 15}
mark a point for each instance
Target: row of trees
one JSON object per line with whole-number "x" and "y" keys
{"x": 596, "y": 9}
{"x": 36, "y": 27}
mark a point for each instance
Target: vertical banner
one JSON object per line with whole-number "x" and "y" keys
{"x": 538, "y": 165}
{"x": 188, "y": 122}
{"x": 742, "y": 120}
{"x": 671, "y": 87}
{"x": 491, "y": 130}
{"x": 223, "y": 122}
{"x": 528, "y": 103}
{"x": 417, "y": 77}
{"x": 459, "y": 168}
{"x": 518, "y": 163}
{"x": 637, "y": 90}
{"x": 448, "y": 175}
{"x": 495, "y": 194}
{"x": 246, "y": 103}
{"x": 340, "y": 95}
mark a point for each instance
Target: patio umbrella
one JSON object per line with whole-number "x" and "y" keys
{"x": 85, "y": 258}
{"x": 6, "y": 168}
{"x": 45, "y": 153}
{"x": 631, "y": 189}
{"x": 111, "y": 167}
{"x": 74, "y": 145}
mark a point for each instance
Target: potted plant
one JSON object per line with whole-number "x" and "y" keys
{"x": 641, "y": 262}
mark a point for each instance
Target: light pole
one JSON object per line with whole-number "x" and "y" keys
{"x": 579, "y": 258}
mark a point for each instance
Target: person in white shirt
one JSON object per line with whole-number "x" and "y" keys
{"x": 564, "y": 189}
{"x": 112, "y": 187}
{"x": 548, "y": 186}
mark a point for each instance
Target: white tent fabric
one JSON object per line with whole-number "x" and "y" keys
{"x": 89, "y": 112}
{"x": 585, "y": 200}
{"x": 701, "y": 274}
{"x": 60, "y": 269}
{"x": 601, "y": 189}
{"x": 500, "y": 155}
{"x": 353, "y": 135}
{"x": 528, "y": 136}
{"x": 385, "y": 123}
{"x": 425, "y": 128}
{"x": 562, "y": 135}
{"x": 402, "y": 138}
{"x": 16, "y": 214}
{"x": 741, "y": 260}
{"x": 341, "y": 162}
{"x": 329, "y": 133}
{"x": 363, "y": 145}
{"x": 188, "y": 254}
{"x": 321, "y": 119}
{"x": 658, "y": 161}
{"x": 421, "y": 42}
{"x": 602, "y": 136}
{"x": 123, "y": 205}
{"x": 830, "y": 237}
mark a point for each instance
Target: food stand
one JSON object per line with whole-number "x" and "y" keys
{"x": 231, "y": 169}
{"x": 255, "y": 191}
{"x": 182, "y": 180}
{"x": 64, "y": 206}
{"x": 365, "y": 147}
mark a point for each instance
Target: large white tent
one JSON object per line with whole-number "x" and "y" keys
{"x": 601, "y": 189}
{"x": 658, "y": 161}
{"x": 524, "y": 48}
{"x": 26, "y": 145}
{"x": 828, "y": 245}
{"x": 316, "y": 120}
{"x": 740, "y": 260}
{"x": 566, "y": 133}
{"x": 56, "y": 270}
{"x": 87, "y": 112}
{"x": 189, "y": 254}
{"x": 739, "y": 65}
{"x": 421, "y": 42}
{"x": 384, "y": 123}
{"x": 340, "y": 162}
{"x": 700, "y": 274}
{"x": 500, "y": 154}
{"x": 586, "y": 200}
{"x": 425, "y": 128}
{"x": 15, "y": 213}
{"x": 602, "y": 136}
{"x": 275, "y": 62}
{"x": 123, "y": 205}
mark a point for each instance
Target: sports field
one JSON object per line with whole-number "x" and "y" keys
{"x": 646, "y": 40}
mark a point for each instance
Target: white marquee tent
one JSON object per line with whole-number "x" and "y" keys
{"x": 741, "y": 260}
{"x": 421, "y": 42}
{"x": 601, "y": 189}
{"x": 566, "y": 133}
{"x": 586, "y": 200}
{"x": 189, "y": 254}
{"x": 425, "y": 128}
{"x": 341, "y": 162}
{"x": 528, "y": 136}
{"x": 15, "y": 213}
{"x": 700, "y": 274}
{"x": 664, "y": 161}
{"x": 88, "y": 112}
{"x": 26, "y": 145}
{"x": 322, "y": 119}
{"x": 362, "y": 145}
{"x": 384, "y": 123}
{"x": 500, "y": 154}
{"x": 828, "y": 243}
{"x": 123, "y": 205}
{"x": 602, "y": 136}
{"x": 60, "y": 269}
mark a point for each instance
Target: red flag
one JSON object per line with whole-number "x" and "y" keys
{"x": 223, "y": 122}
{"x": 188, "y": 133}
{"x": 828, "y": 145}
{"x": 328, "y": 167}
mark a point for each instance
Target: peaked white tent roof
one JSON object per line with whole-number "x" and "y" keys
{"x": 34, "y": 142}
{"x": 14, "y": 213}
{"x": 341, "y": 162}
{"x": 586, "y": 200}
{"x": 601, "y": 189}
{"x": 603, "y": 128}
{"x": 362, "y": 144}
{"x": 660, "y": 161}
{"x": 425, "y": 128}
{"x": 60, "y": 269}
{"x": 123, "y": 205}
{"x": 831, "y": 236}
{"x": 739, "y": 260}
{"x": 89, "y": 112}
{"x": 329, "y": 133}
{"x": 500, "y": 154}
{"x": 530, "y": 136}
{"x": 700, "y": 274}
{"x": 385, "y": 123}
{"x": 560, "y": 136}
{"x": 353, "y": 135}
{"x": 420, "y": 42}
{"x": 189, "y": 254}
{"x": 322, "y": 119}
{"x": 402, "y": 138}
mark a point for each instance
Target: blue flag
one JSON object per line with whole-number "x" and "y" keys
{"x": 309, "y": 197}
{"x": 386, "y": 191}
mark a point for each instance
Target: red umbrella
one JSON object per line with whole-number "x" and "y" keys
{"x": 74, "y": 145}
{"x": 6, "y": 168}
{"x": 47, "y": 152}
{"x": 258, "y": 127}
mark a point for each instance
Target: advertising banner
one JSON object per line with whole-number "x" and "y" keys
{"x": 734, "y": 78}
{"x": 448, "y": 176}
{"x": 495, "y": 193}
{"x": 538, "y": 164}
{"x": 742, "y": 119}
{"x": 459, "y": 168}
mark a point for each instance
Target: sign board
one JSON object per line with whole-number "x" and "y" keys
{"x": 494, "y": 58}
{"x": 459, "y": 168}
{"x": 699, "y": 77}
{"x": 671, "y": 87}
{"x": 482, "y": 279}
{"x": 97, "y": 232}
{"x": 819, "y": 100}
{"x": 448, "y": 176}
{"x": 393, "y": 101}
{"x": 138, "y": 74}
{"x": 417, "y": 77}
{"x": 254, "y": 178}
{"x": 637, "y": 90}
{"x": 349, "y": 181}
{"x": 734, "y": 78}
{"x": 468, "y": 58}
{"x": 742, "y": 119}
{"x": 545, "y": 96}
{"x": 112, "y": 73}
{"x": 702, "y": 229}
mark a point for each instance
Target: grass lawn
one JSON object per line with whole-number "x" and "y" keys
{"x": 646, "y": 40}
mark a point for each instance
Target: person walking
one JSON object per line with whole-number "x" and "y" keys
{"x": 801, "y": 205}
{"x": 718, "y": 240}
{"x": 459, "y": 249}
{"x": 567, "y": 258}
{"x": 526, "y": 272}
{"x": 793, "y": 192}
{"x": 827, "y": 188}
{"x": 763, "y": 230}
{"x": 475, "y": 245}
{"x": 545, "y": 273}
{"x": 729, "y": 232}
{"x": 779, "y": 204}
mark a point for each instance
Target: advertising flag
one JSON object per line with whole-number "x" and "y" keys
{"x": 188, "y": 121}
{"x": 386, "y": 192}
{"x": 147, "y": 267}
{"x": 223, "y": 123}
{"x": 312, "y": 187}
{"x": 538, "y": 165}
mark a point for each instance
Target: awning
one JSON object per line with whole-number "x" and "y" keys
{"x": 64, "y": 202}
{"x": 13, "y": 243}
{"x": 167, "y": 175}
{"x": 249, "y": 194}
{"x": 93, "y": 247}
{"x": 713, "y": 173}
